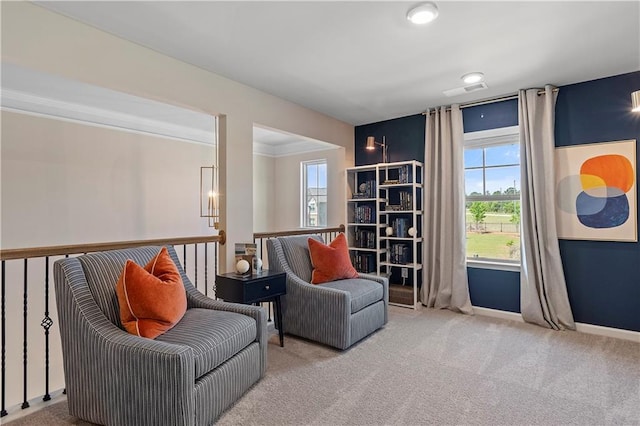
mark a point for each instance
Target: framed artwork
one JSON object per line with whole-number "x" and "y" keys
{"x": 596, "y": 191}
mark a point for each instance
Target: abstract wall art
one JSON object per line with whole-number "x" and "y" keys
{"x": 596, "y": 191}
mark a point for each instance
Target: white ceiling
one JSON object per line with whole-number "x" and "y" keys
{"x": 363, "y": 62}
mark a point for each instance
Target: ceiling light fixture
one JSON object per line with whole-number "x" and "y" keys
{"x": 423, "y": 13}
{"x": 635, "y": 101}
{"x": 472, "y": 77}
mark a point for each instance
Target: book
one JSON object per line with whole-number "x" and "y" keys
{"x": 246, "y": 251}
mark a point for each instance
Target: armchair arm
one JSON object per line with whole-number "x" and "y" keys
{"x": 384, "y": 281}
{"x": 317, "y": 312}
{"x": 103, "y": 362}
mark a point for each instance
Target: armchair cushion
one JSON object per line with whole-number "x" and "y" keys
{"x": 363, "y": 292}
{"x": 330, "y": 262}
{"x": 296, "y": 251}
{"x": 102, "y": 270}
{"x": 214, "y": 336}
{"x": 152, "y": 299}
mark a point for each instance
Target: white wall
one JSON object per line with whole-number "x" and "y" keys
{"x": 277, "y": 191}
{"x": 264, "y": 184}
{"x": 67, "y": 183}
{"x": 287, "y": 184}
{"x": 42, "y": 40}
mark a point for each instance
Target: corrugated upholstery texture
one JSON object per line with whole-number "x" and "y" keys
{"x": 102, "y": 271}
{"x": 115, "y": 378}
{"x": 296, "y": 251}
{"x": 214, "y": 336}
{"x": 363, "y": 292}
{"x": 218, "y": 390}
{"x": 384, "y": 281}
{"x": 363, "y": 320}
{"x": 321, "y": 313}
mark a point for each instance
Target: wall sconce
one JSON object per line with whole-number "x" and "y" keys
{"x": 209, "y": 195}
{"x": 371, "y": 145}
{"x": 635, "y": 101}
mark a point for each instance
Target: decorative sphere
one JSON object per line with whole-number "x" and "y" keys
{"x": 389, "y": 231}
{"x": 412, "y": 231}
{"x": 242, "y": 266}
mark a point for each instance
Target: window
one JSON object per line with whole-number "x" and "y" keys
{"x": 492, "y": 188}
{"x": 314, "y": 193}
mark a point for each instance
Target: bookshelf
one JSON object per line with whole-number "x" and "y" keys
{"x": 384, "y": 225}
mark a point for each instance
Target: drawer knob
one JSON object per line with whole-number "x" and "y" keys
{"x": 266, "y": 287}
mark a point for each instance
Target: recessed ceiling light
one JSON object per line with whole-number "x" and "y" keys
{"x": 423, "y": 13}
{"x": 472, "y": 77}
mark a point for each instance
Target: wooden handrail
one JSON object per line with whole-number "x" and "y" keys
{"x": 27, "y": 253}
{"x": 258, "y": 235}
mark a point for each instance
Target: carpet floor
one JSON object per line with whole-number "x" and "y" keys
{"x": 437, "y": 367}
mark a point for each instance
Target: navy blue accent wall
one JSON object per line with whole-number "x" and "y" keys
{"x": 490, "y": 116}
{"x": 405, "y": 140}
{"x": 493, "y": 289}
{"x": 603, "y": 278}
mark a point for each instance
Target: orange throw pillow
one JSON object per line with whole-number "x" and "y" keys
{"x": 152, "y": 299}
{"x": 330, "y": 262}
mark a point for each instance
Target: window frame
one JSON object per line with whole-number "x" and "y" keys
{"x": 304, "y": 213}
{"x": 487, "y": 139}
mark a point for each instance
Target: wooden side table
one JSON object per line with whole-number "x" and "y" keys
{"x": 254, "y": 288}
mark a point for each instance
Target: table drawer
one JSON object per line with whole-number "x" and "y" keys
{"x": 258, "y": 290}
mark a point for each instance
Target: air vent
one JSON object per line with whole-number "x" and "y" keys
{"x": 466, "y": 89}
{"x": 474, "y": 87}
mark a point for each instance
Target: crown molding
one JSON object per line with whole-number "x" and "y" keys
{"x": 29, "y": 103}
{"x": 263, "y": 149}
{"x": 289, "y": 148}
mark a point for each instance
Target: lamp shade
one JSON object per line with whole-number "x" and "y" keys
{"x": 371, "y": 143}
{"x": 635, "y": 101}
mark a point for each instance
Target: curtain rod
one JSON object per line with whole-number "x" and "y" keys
{"x": 489, "y": 101}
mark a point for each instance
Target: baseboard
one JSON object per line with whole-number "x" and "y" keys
{"x": 496, "y": 313}
{"x": 618, "y": 333}
{"x": 599, "y": 330}
{"x": 36, "y": 404}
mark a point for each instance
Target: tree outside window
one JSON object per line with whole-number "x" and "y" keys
{"x": 492, "y": 188}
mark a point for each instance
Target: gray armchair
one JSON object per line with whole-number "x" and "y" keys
{"x": 187, "y": 376}
{"x": 337, "y": 313}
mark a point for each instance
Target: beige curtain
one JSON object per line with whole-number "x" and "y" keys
{"x": 543, "y": 291}
{"x": 445, "y": 277}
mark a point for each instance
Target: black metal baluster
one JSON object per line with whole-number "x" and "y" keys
{"x": 46, "y": 323}
{"x": 206, "y": 265}
{"x": 215, "y": 265}
{"x": 25, "y": 403}
{"x": 257, "y": 248}
{"x": 64, "y": 391}
{"x": 195, "y": 263}
{"x": 4, "y": 344}
{"x": 269, "y": 304}
{"x": 184, "y": 258}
